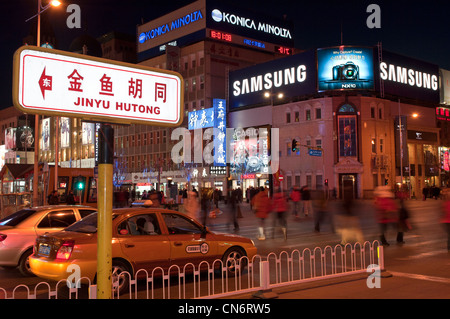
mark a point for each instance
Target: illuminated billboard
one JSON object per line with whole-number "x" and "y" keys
{"x": 345, "y": 68}
{"x": 260, "y": 84}
{"x": 410, "y": 78}
{"x": 213, "y": 117}
{"x": 249, "y": 23}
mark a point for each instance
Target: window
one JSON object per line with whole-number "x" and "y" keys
{"x": 140, "y": 225}
{"x": 380, "y": 113}
{"x": 85, "y": 212}
{"x": 319, "y": 181}
{"x": 57, "y": 219}
{"x": 177, "y": 224}
{"x": 202, "y": 82}
{"x": 318, "y": 114}
{"x": 374, "y": 146}
{"x": 372, "y": 112}
{"x": 381, "y": 145}
{"x": 319, "y": 142}
{"x": 309, "y": 180}
{"x": 288, "y": 117}
{"x": 288, "y": 149}
{"x": 308, "y": 115}
{"x": 297, "y": 116}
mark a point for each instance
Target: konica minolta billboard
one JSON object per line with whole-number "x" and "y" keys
{"x": 236, "y": 20}
{"x": 292, "y": 76}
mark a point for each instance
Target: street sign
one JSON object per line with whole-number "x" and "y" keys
{"x": 57, "y": 83}
{"x": 314, "y": 152}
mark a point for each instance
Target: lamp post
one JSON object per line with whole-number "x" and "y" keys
{"x": 41, "y": 9}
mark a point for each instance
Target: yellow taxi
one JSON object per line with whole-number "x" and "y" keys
{"x": 143, "y": 238}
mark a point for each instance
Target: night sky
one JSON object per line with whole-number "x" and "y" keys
{"x": 414, "y": 28}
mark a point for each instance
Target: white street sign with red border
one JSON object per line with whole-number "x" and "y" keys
{"x": 53, "y": 82}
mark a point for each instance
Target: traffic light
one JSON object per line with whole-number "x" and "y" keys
{"x": 326, "y": 181}
{"x": 294, "y": 145}
{"x": 80, "y": 184}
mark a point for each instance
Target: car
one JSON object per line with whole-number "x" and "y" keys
{"x": 19, "y": 230}
{"x": 142, "y": 238}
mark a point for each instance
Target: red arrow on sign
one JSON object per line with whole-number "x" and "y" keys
{"x": 45, "y": 83}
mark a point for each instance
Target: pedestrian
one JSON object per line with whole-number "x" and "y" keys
{"x": 279, "y": 207}
{"x": 70, "y": 200}
{"x": 349, "y": 225}
{"x": 234, "y": 205}
{"x": 53, "y": 198}
{"x": 425, "y": 192}
{"x": 261, "y": 206}
{"x": 295, "y": 196}
{"x": 205, "y": 204}
{"x": 216, "y": 198}
{"x": 144, "y": 195}
{"x": 320, "y": 204}
{"x": 386, "y": 210}
{"x": 446, "y": 221}
{"x": 306, "y": 200}
{"x": 403, "y": 222}
{"x": 191, "y": 205}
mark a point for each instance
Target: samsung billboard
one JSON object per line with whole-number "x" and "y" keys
{"x": 345, "y": 68}
{"x": 410, "y": 78}
{"x": 292, "y": 76}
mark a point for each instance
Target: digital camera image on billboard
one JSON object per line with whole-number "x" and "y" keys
{"x": 345, "y": 68}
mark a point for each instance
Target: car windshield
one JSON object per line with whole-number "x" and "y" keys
{"x": 16, "y": 218}
{"x": 86, "y": 225}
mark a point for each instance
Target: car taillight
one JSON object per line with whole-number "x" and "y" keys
{"x": 2, "y": 237}
{"x": 65, "y": 250}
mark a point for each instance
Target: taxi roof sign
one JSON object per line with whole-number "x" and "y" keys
{"x": 58, "y": 83}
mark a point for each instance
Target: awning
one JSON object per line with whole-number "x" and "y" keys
{"x": 16, "y": 170}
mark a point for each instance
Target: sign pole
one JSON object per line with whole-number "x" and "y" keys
{"x": 104, "y": 203}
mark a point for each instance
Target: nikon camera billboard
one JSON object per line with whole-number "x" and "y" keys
{"x": 345, "y": 68}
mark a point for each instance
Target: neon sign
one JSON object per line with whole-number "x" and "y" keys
{"x": 221, "y": 36}
{"x": 283, "y": 50}
{"x": 175, "y": 24}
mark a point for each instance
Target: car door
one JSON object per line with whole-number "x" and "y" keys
{"x": 187, "y": 245}
{"x": 143, "y": 243}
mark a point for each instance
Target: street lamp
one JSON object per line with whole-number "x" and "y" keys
{"x": 41, "y": 9}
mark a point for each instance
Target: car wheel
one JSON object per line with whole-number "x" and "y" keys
{"x": 24, "y": 264}
{"x": 118, "y": 268}
{"x": 232, "y": 258}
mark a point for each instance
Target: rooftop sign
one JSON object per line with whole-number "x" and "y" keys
{"x": 52, "y": 82}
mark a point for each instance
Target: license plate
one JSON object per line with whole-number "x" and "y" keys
{"x": 44, "y": 249}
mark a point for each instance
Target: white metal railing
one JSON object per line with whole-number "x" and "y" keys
{"x": 214, "y": 281}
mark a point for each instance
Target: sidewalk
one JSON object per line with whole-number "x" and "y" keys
{"x": 419, "y": 276}
{"x": 393, "y": 285}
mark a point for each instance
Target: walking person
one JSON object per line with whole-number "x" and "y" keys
{"x": 191, "y": 205}
{"x": 261, "y": 205}
{"x": 306, "y": 200}
{"x": 53, "y": 198}
{"x": 386, "y": 210}
{"x": 279, "y": 207}
{"x": 446, "y": 221}
{"x": 295, "y": 197}
{"x": 70, "y": 200}
{"x": 234, "y": 205}
{"x": 320, "y": 204}
{"x": 403, "y": 222}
